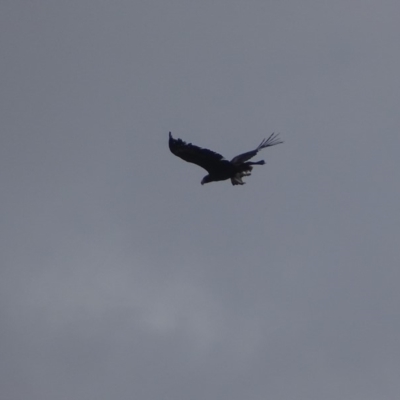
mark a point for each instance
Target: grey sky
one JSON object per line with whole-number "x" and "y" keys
{"x": 122, "y": 277}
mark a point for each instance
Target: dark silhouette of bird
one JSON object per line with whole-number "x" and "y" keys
{"x": 218, "y": 168}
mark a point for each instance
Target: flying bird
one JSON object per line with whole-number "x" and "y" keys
{"x": 218, "y": 168}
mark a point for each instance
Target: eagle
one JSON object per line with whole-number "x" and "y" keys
{"x": 218, "y": 168}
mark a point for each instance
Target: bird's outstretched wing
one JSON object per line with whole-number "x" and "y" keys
{"x": 271, "y": 141}
{"x": 205, "y": 158}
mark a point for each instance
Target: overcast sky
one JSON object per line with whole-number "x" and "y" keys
{"x": 122, "y": 277}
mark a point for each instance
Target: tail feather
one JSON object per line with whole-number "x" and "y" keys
{"x": 261, "y": 162}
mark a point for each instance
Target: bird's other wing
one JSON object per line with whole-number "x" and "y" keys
{"x": 271, "y": 141}
{"x": 205, "y": 158}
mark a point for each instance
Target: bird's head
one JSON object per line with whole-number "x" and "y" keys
{"x": 206, "y": 179}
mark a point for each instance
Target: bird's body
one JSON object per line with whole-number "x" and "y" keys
{"x": 218, "y": 168}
